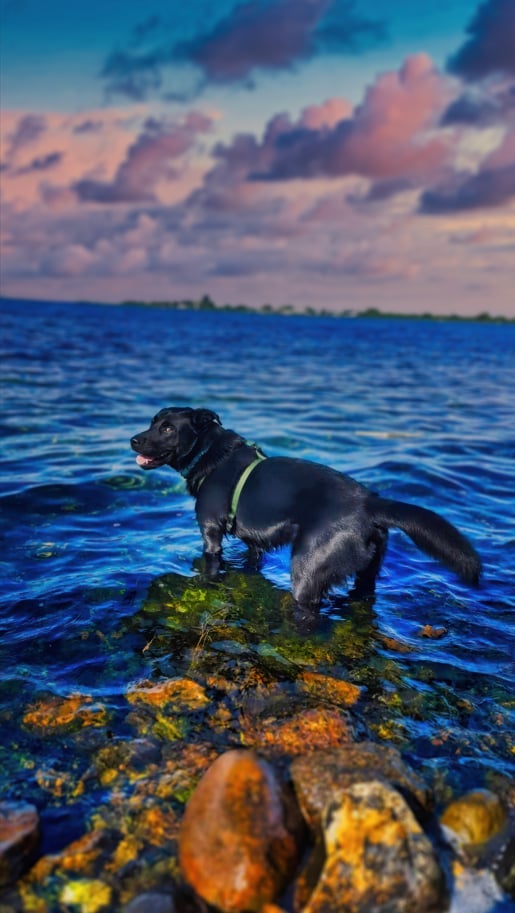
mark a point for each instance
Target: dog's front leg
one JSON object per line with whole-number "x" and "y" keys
{"x": 212, "y": 536}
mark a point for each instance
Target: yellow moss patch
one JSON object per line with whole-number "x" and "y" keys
{"x": 31, "y": 902}
{"x": 126, "y": 851}
{"x": 88, "y": 894}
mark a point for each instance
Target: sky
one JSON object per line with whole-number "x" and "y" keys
{"x": 333, "y": 154}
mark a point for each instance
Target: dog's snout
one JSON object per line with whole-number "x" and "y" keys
{"x": 136, "y": 441}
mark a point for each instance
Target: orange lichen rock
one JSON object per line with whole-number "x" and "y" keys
{"x": 394, "y": 644}
{"x": 475, "y": 817}
{"x": 333, "y": 689}
{"x": 61, "y": 713}
{"x": 157, "y": 825}
{"x": 182, "y": 693}
{"x": 238, "y": 843}
{"x": 377, "y": 855}
{"x": 433, "y": 633}
{"x": 305, "y": 731}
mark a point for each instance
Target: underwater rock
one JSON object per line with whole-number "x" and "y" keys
{"x": 431, "y": 632}
{"x": 504, "y": 865}
{"x": 19, "y": 836}
{"x": 306, "y": 730}
{"x": 328, "y": 687}
{"x": 59, "y": 714}
{"x": 240, "y": 835}
{"x": 182, "y": 693}
{"x": 318, "y": 775}
{"x": 377, "y": 855}
{"x": 483, "y": 828}
{"x": 126, "y": 761}
{"x": 475, "y": 817}
{"x": 475, "y": 891}
{"x": 151, "y": 902}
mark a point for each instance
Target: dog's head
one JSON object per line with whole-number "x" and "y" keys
{"x": 173, "y": 437}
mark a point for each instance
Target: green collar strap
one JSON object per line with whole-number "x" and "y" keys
{"x": 239, "y": 488}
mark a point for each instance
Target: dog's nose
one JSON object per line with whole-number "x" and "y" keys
{"x": 135, "y": 442}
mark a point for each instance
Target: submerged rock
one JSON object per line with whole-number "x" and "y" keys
{"x": 327, "y": 687}
{"x": 377, "y": 855}
{"x": 483, "y": 832}
{"x": 181, "y": 693}
{"x": 240, "y": 835}
{"x": 65, "y": 714}
{"x": 19, "y": 836}
{"x": 151, "y": 902}
{"x": 318, "y": 775}
{"x": 475, "y": 817}
{"x": 306, "y": 729}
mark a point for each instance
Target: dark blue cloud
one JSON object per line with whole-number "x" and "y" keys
{"x": 41, "y": 163}
{"x": 254, "y": 36}
{"x": 490, "y": 47}
{"x": 489, "y": 187}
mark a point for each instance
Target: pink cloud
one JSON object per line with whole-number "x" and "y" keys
{"x": 148, "y": 160}
{"x": 392, "y": 134}
{"x": 391, "y": 142}
{"x": 328, "y": 114}
{"x": 200, "y": 218}
{"x": 26, "y": 131}
{"x": 107, "y": 155}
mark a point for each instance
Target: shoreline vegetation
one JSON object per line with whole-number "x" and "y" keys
{"x": 206, "y": 304}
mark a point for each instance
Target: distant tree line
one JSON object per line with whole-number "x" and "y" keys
{"x": 206, "y": 303}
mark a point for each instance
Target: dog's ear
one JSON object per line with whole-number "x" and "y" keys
{"x": 202, "y": 418}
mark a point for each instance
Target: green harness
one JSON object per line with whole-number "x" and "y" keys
{"x": 238, "y": 488}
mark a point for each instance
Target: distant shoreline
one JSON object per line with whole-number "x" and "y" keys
{"x": 206, "y": 304}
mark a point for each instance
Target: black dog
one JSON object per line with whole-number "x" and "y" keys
{"x": 337, "y": 527}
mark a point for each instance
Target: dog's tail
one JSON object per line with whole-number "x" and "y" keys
{"x": 431, "y": 533}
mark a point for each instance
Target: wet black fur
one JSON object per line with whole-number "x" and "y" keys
{"x": 337, "y": 527}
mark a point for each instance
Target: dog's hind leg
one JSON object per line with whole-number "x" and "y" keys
{"x": 365, "y": 580}
{"x": 320, "y": 562}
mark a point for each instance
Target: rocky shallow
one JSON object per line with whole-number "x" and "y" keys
{"x": 308, "y": 820}
{"x": 253, "y": 781}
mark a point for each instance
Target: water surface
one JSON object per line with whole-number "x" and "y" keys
{"x": 419, "y": 411}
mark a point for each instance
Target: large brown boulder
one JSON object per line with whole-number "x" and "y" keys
{"x": 239, "y": 837}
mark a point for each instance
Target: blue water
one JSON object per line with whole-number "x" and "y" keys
{"x": 419, "y": 411}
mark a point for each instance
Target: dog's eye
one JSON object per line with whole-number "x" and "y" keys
{"x": 166, "y": 428}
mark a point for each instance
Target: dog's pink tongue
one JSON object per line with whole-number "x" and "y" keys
{"x": 142, "y": 460}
